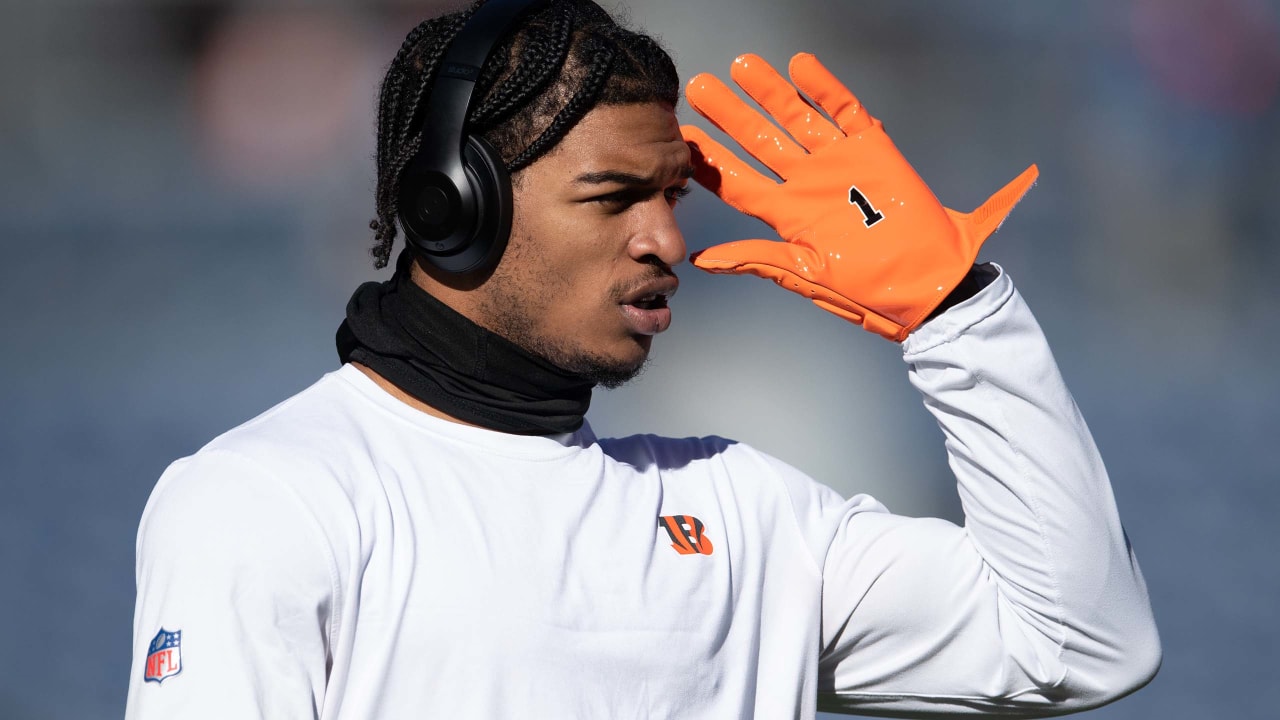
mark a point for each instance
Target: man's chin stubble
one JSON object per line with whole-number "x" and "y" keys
{"x": 609, "y": 376}
{"x": 608, "y": 373}
{"x": 605, "y": 372}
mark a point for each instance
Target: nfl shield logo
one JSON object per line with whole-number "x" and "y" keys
{"x": 164, "y": 657}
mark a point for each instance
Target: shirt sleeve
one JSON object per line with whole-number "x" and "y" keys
{"x": 1035, "y": 606}
{"x": 235, "y": 594}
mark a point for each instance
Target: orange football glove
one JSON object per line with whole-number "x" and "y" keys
{"x": 865, "y": 237}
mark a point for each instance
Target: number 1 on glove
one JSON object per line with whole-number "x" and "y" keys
{"x": 863, "y": 236}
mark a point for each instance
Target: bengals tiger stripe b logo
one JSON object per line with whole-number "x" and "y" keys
{"x": 686, "y": 534}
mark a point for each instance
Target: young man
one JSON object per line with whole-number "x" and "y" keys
{"x": 433, "y": 531}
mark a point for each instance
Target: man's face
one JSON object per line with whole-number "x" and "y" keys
{"x": 586, "y": 275}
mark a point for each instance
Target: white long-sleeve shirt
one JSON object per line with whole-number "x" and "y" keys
{"x": 346, "y": 556}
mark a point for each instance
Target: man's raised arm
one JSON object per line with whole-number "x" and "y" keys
{"x": 1036, "y": 606}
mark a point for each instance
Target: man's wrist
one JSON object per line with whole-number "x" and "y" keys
{"x": 978, "y": 277}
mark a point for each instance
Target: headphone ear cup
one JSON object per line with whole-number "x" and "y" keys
{"x": 454, "y": 228}
{"x": 455, "y": 207}
{"x": 491, "y": 188}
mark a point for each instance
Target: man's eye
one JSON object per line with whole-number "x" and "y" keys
{"x": 615, "y": 201}
{"x": 620, "y": 201}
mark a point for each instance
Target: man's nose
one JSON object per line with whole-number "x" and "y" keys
{"x": 660, "y": 236}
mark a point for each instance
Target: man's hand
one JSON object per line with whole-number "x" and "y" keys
{"x": 865, "y": 237}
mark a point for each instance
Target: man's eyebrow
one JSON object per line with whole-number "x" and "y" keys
{"x": 625, "y": 178}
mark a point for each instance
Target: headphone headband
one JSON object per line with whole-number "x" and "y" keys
{"x": 446, "y": 107}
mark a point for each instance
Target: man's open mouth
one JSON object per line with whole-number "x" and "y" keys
{"x": 652, "y": 301}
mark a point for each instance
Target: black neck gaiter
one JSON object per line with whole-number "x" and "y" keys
{"x": 440, "y": 357}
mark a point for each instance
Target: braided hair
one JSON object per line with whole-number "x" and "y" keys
{"x": 564, "y": 58}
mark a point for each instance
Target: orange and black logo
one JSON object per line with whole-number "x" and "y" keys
{"x": 686, "y": 532}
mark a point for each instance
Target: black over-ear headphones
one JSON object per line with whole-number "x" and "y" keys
{"x": 455, "y": 194}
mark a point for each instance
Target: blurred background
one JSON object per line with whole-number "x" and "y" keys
{"x": 185, "y": 188}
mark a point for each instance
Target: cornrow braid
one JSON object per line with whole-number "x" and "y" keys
{"x": 541, "y": 59}
{"x": 572, "y": 112}
{"x": 564, "y": 58}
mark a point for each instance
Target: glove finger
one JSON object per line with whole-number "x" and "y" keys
{"x": 768, "y": 144}
{"x": 990, "y": 215}
{"x": 817, "y": 82}
{"x": 723, "y": 173}
{"x": 771, "y": 259}
{"x": 775, "y": 94}
{"x": 869, "y": 320}
{"x": 791, "y": 266}
{"x": 850, "y": 313}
